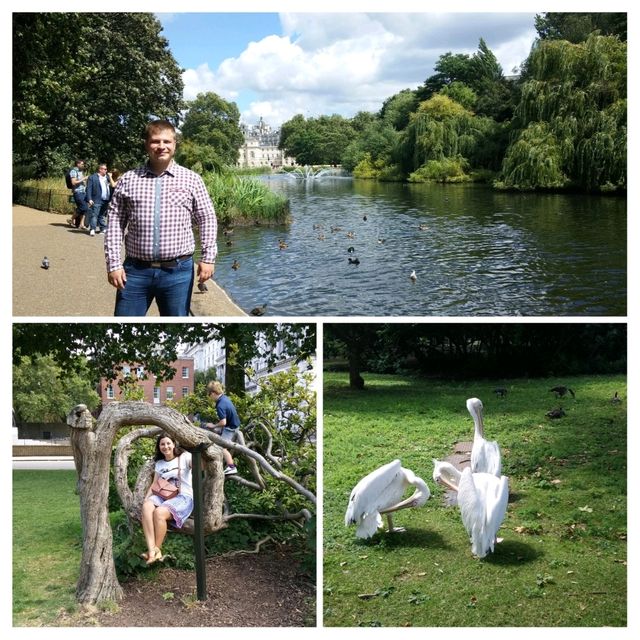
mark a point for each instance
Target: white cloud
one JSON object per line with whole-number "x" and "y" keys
{"x": 345, "y": 63}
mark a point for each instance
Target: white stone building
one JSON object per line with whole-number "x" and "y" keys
{"x": 211, "y": 355}
{"x": 260, "y": 148}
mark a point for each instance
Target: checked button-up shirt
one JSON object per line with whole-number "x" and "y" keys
{"x": 154, "y": 215}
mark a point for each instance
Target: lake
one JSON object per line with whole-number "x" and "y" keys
{"x": 352, "y": 246}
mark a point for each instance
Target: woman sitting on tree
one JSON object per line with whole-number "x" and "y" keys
{"x": 172, "y": 464}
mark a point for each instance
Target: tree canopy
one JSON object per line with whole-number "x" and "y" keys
{"x": 108, "y": 346}
{"x": 45, "y": 392}
{"x": 212, "y": 126}
{"x": 572, "y": 117}
{"x": 487, "y": 350}
{"x": 576, "y": 27}
{"x": 85, "y": 85}
{"x": 321, "y": 140}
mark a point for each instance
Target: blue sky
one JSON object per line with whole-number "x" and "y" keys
{"x": 276, "y": 65}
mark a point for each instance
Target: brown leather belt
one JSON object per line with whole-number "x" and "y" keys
{"x": 161, "y": 264}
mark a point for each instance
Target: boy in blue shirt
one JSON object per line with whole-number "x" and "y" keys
{"x": 228, "y": 420}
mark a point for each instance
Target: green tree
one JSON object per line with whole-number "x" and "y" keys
{"x": 321, "y": 140}
{"x": 44, "y": 392}
{"x": 213, "y": 124}
{"x": 396, "y": 110}
{"x": 449, "y": 68}
{"x": 376, "y": 143}
{"x": 156, "y": 346}
{"x": 440, "y": 129}
{"x": 571, "y": 126}
{"x": 460, "y": 93}
{"x": 577, "y": 27}
{"x": 85, "y": 85}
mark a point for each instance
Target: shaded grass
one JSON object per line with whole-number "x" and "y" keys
{"x": 563, "y": 558}
{"x": 47, "y": 539}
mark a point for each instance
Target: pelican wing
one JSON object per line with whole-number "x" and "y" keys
{"x": 485, "y": 457}
{"x": 497, "y": 499}
{"x": 483, "y": 504}
{"x": 471, "y": 506}
{"x": 378, "y": 490}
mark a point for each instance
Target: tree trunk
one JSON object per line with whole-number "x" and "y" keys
{"x": 92, "y": 442}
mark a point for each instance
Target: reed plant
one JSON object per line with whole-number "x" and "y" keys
{"x": 239, "y": 200}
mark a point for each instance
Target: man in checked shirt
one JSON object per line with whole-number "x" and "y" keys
{"x": 153, "y": 209}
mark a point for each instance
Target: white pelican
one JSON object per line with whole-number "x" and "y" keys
{"x": 482, "y": 498}
{"x": 380, "y": 493}
{"x": 485, "y": 454}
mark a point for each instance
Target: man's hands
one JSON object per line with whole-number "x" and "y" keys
{"x": 117, "y": 278}
{"x": 205, "y": 271}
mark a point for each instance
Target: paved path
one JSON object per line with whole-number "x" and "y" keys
{"x": 45, "y": 463}
{"x": 76, "y": 282}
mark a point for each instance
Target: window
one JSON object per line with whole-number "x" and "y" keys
{"x": 110, "y": 394}
{"x": 126, "y": 370}
{"x": 156, "y": 395}
{"x": 140, "y": 372}
{"x": 169, "y": 393}
{"x": 185, "y": 372}
{"x": 185, "y": 391}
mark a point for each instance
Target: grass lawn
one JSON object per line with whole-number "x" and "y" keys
{"x": 563, "y": 558}
{"x": 47, "y": 539}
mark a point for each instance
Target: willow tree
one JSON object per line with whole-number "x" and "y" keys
{"x": 443, "y": 130}
{"x": 572, "y": 118}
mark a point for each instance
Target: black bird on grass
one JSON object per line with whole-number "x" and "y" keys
{"x": 554, "y": 414}
{"x": 500, "y": 392}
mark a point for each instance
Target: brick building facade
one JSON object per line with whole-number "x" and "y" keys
{"x": 182, "y": 384}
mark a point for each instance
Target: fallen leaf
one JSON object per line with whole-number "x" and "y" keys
{"x": 586, "y": 508}
{"x": 343, "y": 563}
{"x": 363, "y": 557}
{"x": 422, "y": 573}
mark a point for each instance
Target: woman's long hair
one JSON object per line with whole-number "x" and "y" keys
{"x": 177, "y": 450}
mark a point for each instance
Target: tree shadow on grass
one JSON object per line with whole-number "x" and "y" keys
{"x": 512, "y": 552}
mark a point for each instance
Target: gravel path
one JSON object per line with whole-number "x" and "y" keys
{"x": 76, "y": 282}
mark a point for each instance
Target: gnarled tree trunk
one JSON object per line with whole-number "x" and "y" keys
{"x": 92, "y": 442}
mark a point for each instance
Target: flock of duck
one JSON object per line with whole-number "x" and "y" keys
{"x": 482, "y": 491}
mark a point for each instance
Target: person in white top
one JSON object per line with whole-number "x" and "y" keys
{"x": 172, "y": 464}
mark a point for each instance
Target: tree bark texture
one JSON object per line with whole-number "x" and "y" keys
{"x": 92, "y": 442}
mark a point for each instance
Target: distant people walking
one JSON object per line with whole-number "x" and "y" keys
{"x": 153, "y": 209}
{"x": 78, "y": 187}
{"x": 99, "y": 190}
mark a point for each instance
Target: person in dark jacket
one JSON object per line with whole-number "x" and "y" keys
{"x": 98, "y": 194}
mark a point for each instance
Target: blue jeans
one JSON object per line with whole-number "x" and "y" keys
{"x": 170, "y": 286}
{"x": 97, "y": 216}
{"x": 81, "y": 207}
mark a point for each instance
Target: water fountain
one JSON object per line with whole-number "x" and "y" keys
{"x": 307, "y": 172}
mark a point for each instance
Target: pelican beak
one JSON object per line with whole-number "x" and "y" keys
{"x": 447, "y": 483}
{"x": 411, "y": 501}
